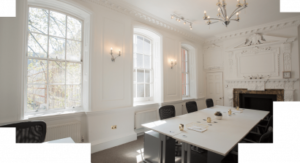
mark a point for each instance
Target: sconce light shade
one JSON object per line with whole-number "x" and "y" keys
{"x": 113, "y": 58}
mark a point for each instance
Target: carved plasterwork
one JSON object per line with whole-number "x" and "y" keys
{"x": 258, "y": 51}
{"x": 145, "y": 17}
{"x": 257, "y": 29}
{"x": 213, "y": 57}
{"x": 255, "y": 39}
{"x": 261, "y": 86}
{"x": 287, "y": 49}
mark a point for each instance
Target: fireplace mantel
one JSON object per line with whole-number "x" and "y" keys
{"x": 261, "y": 85}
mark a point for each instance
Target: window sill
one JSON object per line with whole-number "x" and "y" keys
{"x": 144, "y": 103}
{"x": 188, "y": 98}
{"x": 29, "y": 116}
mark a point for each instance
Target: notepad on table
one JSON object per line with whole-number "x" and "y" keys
{"x": 196, "y": 128}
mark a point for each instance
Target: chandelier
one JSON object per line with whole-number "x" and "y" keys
{"x": 222, "y": 13}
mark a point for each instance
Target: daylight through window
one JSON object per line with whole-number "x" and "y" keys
{"x": 142, "y": 73}
{"x": 185, "y": 72}
{"x": 54, "y": 61}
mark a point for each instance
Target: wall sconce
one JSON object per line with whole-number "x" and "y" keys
{"x": 173, "y": 63}
{"x": 112, "y": 56}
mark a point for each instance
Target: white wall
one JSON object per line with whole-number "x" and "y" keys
{"x": 12, "y": 37}
{"x": 218, "y": 57}
{"x": 111, "y": 82}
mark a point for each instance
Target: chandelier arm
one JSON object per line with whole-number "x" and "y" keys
{"x": 240, "y": 9}
{"x": 222, "y": 10}
{"x": 234, "y": 12}
{"x": 215, "y": 19}
{"x": 214, "y": 22}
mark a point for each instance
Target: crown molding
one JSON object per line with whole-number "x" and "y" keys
{"x": 145, "y": 17}
{"x": 256, "y": 29}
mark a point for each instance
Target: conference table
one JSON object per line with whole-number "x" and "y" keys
{"x": 220, "y": 137}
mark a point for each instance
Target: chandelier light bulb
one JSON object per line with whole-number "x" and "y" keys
{"x": 172, "y": 17}
{"x": 204, "y": 12}
{"x": 184, "y": 22}
{"x": 237, "y": 14}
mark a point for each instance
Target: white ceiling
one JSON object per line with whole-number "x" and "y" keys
{"x": 258, "y": 12}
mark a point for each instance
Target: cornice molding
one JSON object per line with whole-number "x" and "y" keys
{"x": 256, "y": 29}
{"x": 145, "y": 17}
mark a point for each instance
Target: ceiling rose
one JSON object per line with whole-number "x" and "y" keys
{"x": 222, "y": 13}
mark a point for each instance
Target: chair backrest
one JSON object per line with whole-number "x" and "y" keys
{"x": 267, "y": 137}
{"x": 29, "y": 132}
{"x": 209, "y": 103}
{"x": 167, "y": 111}
{"x": 191, "y": 106}
{"x": 269, "y": 124}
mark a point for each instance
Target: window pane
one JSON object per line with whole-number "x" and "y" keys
{"x": 57, "y": 96}
{"x": 182, "y": 55}
{"x": 186, "y": 55}
{"x": 140, "y": 60}
{"x": 73, "y": 73}
{"x": 140, "y": 76}
{"x": 135, "y": 61}
{"x": 38, "y": 20}
{"x": 134, "y": 90}
{"x": 36, "y": 97}
{"x": 57, "y": 72}
{"x": 57, "y": 48}
{"x": 37, "y": 71}
{"x": 74, "y": 29}
{"x": 73, "y": 96}
{"x": 147, "y": 76}
{"x": 183, "y": 66}
{"x": 187, "y": 90}
{"x": 187, "y": 79}
{"x": 37, "y": 45}
{"x": 183, "y": 90}
{"x": 147, "y": 61}
{"x": 183, "y": 77}
{"x": 186, "y": 67}
{"x": 57, "y": 24}
{"x": 140, "y": 90}
{"x": 147, "y": 47}
{"x": 74, "y": 50}
{"x": 139, "y": 45}
{"x": 134, "y": 75}
{"x": 147, "y": 90}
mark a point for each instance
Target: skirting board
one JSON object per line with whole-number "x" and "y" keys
{"x": 113, "y": 143}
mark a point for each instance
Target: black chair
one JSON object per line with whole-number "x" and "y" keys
{"x": 209, "y": 103}
{"x": 267, "y": 137}
{"x": 191, "y": 106}
{"x": 29, "y": 132}
{"x": 232, "y": 157}
{"x": 262, "y": 127}
{"x": 166, "y": 112}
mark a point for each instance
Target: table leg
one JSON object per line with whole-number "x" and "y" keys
{"x": 186, "y": 153}
{"x": 213, "y": 157}
{"x": 167, "y": 149}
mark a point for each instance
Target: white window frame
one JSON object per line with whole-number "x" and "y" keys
{"x": 84, "y": 15}
{"x": 186, "y": 73}
{"x": 143, "y": 99}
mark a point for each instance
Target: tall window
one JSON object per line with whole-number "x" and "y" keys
{"x": 54, "y": 61}
{"x": 142, "y": 73}
{"x": 185, "y": 73}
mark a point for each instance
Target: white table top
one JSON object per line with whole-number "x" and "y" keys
{"x": 220, "y": 138}
{"x": 64, "y": 140}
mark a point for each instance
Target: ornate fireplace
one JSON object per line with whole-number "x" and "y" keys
{"x": 259, "y": 100}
